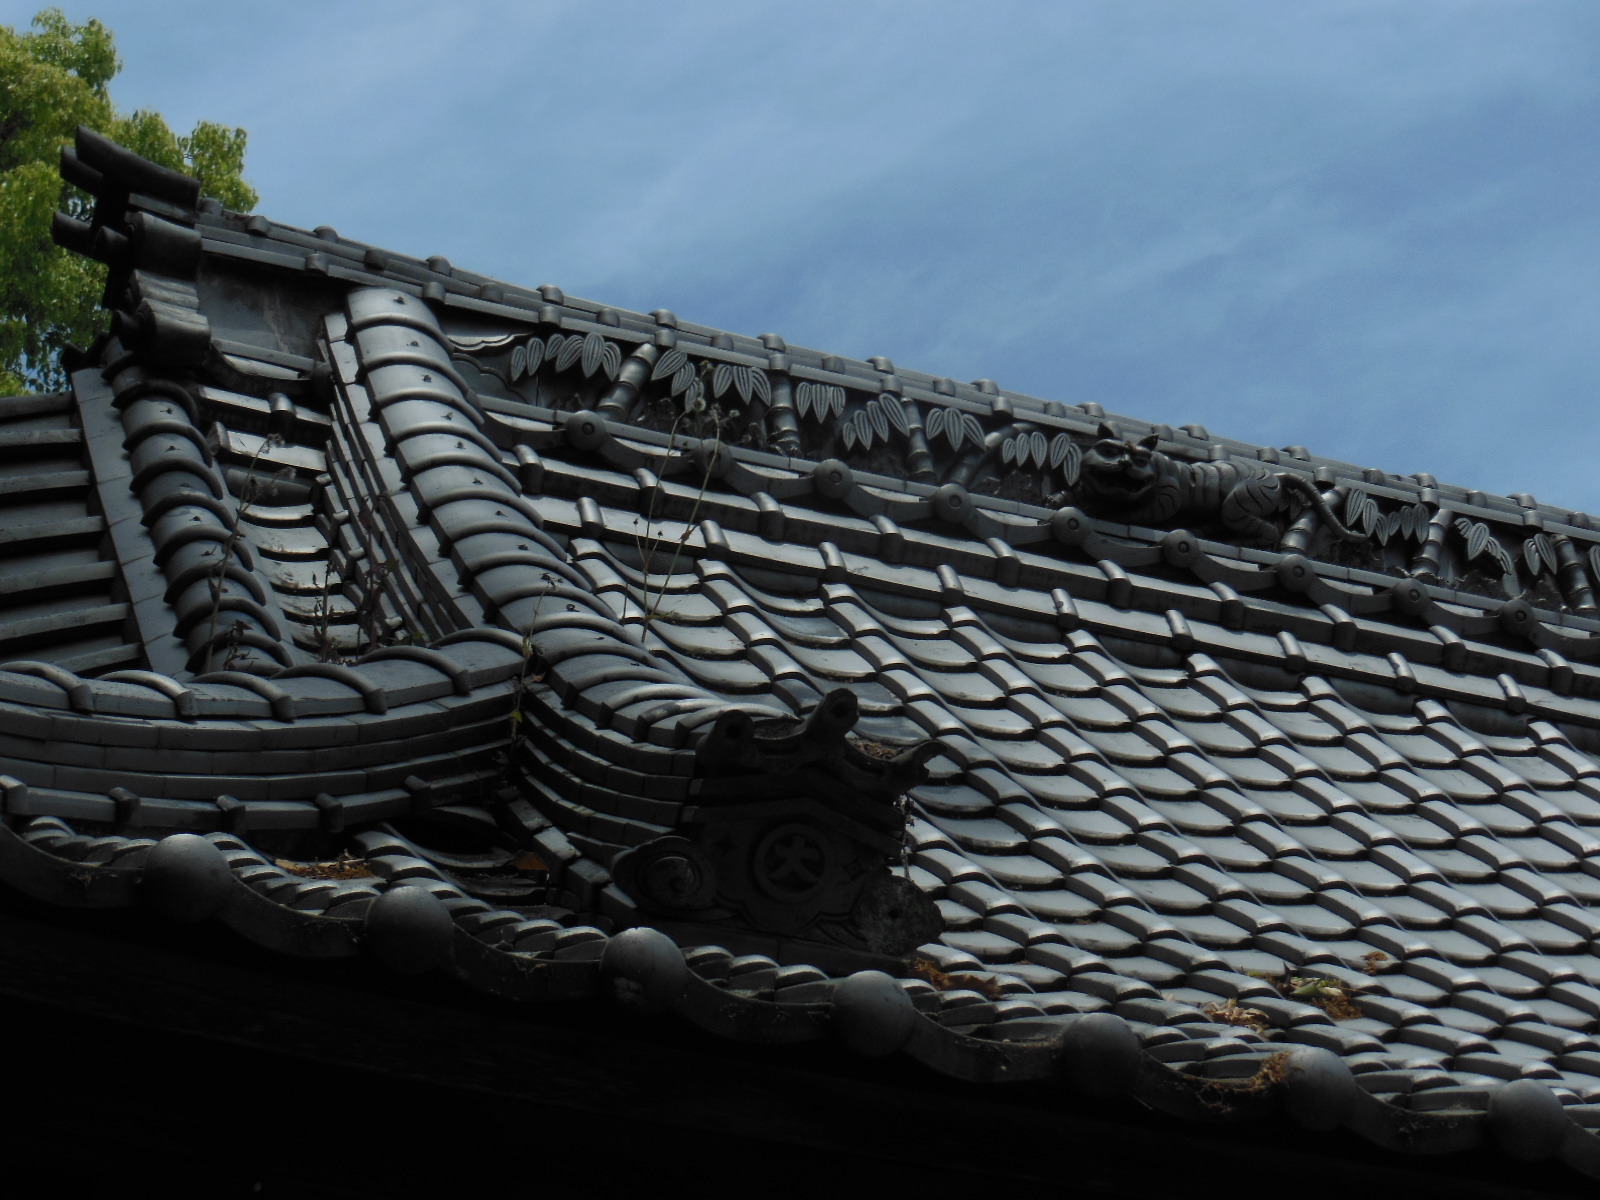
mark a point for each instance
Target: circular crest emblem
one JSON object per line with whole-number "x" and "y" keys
{"x": 792, "y": 862}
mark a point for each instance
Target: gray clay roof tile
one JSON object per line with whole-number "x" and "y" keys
{"x": 1235, "y": 798}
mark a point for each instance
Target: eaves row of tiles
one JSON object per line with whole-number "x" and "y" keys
{"x": 267, "y": 243}
{"x": 407, "y": 916}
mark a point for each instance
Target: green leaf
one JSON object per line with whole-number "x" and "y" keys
{"x": 52, "y": 80}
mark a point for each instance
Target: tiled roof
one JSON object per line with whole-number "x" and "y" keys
{"x": 371, "y": 607}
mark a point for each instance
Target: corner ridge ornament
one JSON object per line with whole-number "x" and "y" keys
{"x": 798, "y": 833}
{"x": 1136, "y": 482}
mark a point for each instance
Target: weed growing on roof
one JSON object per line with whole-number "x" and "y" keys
{"x": 1224, "y": 1095}
{"x": 369, "y": 612}
{"x": 254, "y": 490}
{"x": 238, "y": 653}
{"x": 683, "y": 540}
{"x": 327, "y": 652}
{"x": 928, "y": 971}
{"x": 903, "y": 803}
{"x": 1231, "y": 1012}
{"x": 527, "y": 675}
{"x": 876, "y": 750}
{"x": 343, "y": 867}
{"x": 705, "y": 420}
{"x": 368, "y": 617}
{"x": 1330, "y": 995}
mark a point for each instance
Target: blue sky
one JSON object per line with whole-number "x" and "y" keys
{"x": 1371, "y": 228}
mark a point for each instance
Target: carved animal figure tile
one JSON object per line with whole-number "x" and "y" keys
{"x": 1135, "y": 482}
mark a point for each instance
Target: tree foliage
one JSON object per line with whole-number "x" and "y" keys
{"x": 53, "y": 79}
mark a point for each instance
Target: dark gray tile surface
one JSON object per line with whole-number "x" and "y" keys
{"x": 1233, "y": 802}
